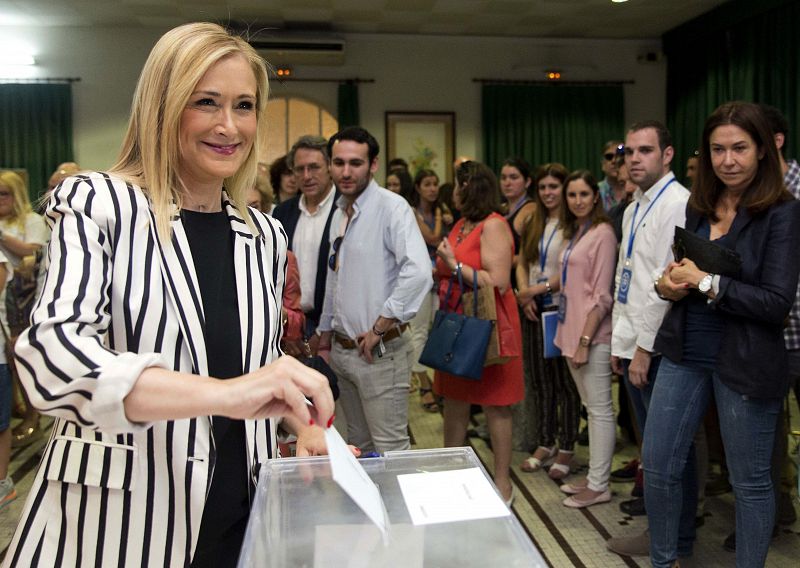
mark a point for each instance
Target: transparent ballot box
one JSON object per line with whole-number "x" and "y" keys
{"x": 302, "y": 518}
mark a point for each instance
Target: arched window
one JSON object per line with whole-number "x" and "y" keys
{"x": 289, "y": 118}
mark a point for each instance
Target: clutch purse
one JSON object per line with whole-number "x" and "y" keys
{"x": 457, "y": 343}
{"x": 707, "y": 255}
{"x": 549, "y": 328}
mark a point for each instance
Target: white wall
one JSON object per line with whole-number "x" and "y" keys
{"x": 421, "y": 73}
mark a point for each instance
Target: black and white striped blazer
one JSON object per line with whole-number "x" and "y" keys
{"x": 117, "y": 300}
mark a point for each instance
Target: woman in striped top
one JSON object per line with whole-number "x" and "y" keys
{"x": 161, "y": 284}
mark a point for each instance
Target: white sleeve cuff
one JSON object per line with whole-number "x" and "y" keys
{"x": 114, "y": 382}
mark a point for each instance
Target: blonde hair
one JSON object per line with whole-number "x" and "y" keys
{"x": 151, "y": 149}
{"x": 22, "y": 204}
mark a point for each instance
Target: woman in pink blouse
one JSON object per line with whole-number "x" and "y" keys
{"x": 584, "y": 328}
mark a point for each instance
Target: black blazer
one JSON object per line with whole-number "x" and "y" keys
{"x": 752, "y": 356}
{"x": 288, "y": 213}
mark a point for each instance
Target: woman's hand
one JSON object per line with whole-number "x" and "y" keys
{"x": 580, "y": 358}
{"x": 667, "y": 288}
{"x": 686, "y": 272}
{"x": 278, "y": 389}
{"x": 311, "y": 442}
{"x": 445, "y": 252}
{"x": 530, "y": 311}
{"x": 296, "y": 348}
{"x": 447, "y": 218}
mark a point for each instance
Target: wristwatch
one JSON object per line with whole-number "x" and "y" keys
{"x": 705, "y": 283}
{"x": 585, "y": 341}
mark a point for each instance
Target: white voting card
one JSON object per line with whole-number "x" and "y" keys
{"x": 351, "y": 477}
{"x": 448, "y": 496}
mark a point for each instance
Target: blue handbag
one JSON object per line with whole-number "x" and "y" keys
{"x": 457, "y": 343}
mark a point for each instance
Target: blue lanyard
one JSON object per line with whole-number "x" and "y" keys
{"x": 572, "y": 242}
{"x": 543, "y": 250}
{"x": 635, "y": 226}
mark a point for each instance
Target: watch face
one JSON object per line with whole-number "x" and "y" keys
{"x": 705, "y": 284}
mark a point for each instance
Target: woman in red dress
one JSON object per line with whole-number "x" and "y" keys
{"x": 481, "y": 244}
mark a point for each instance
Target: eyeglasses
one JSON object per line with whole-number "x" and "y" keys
{"x": 609, "y": 156}
{"x": 311, "y": 168}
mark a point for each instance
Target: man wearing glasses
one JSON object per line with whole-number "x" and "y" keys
{"x": 379, "y": 274}
{"x": 610, "y": 191}
{"x": 307, "y": 220}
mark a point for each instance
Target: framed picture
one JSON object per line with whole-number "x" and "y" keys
{"x": 426, "y": 140}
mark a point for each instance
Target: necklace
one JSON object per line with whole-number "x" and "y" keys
{"x": 463, "y": 232}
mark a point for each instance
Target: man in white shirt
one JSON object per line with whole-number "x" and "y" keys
{"x": 307, "y": 220}
{"x": 648, "y": 227}
{"x": 379, "y": 274}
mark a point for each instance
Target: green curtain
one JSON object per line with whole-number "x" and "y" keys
{"x": 551, "y": 123}
{"x": 742, "y": 51}
{"x": 347, "y": 104}
{"x": 35, "y": 130}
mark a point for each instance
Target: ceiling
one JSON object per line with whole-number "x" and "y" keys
{"x": 510, "y": 18}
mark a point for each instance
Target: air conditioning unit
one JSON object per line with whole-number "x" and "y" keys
{"x": 301, "y": 50}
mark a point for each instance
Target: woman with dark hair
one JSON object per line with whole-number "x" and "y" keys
{"x": 434, "y": 220}
{"x": 552, "y": 403}
{"x": 515, "y": 183}
{"x": 399, "y": 181}
{"x": 284, "y": 184}
{"x": 584, "y": 327}
{"x": 722, "y": 337}
{"x": 481, "y": 246}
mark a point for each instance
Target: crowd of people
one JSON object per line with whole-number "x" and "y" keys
{"x": 688, "y": 294}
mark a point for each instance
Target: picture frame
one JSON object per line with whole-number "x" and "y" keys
{"x": 426, "y": 140}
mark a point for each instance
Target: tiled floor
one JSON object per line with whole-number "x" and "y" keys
{"x": 566, "y": 537}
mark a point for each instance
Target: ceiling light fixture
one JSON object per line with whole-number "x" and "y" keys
{"x": 13, "y": 54}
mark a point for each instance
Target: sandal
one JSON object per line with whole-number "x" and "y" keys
{"x": 560, "y": 470}
{"x": 533, "y": 463}
{"x": 428, "y": 406}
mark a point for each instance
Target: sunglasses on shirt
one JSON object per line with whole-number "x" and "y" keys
{"x": 333, "y": 259}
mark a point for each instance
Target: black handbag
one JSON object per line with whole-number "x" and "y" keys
{"x": 457, "y": 343}
{"x": 706, "y": 254}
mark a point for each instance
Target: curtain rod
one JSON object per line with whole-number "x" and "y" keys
{"x": 556, "y": 82}
{"x": 41, "y": 80}
{"x": 299, "y": 80}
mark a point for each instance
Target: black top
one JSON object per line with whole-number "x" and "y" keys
{"x": 517, "y": 240}
{"x": 704, "y": 326}
{"x": 228, "y": 503}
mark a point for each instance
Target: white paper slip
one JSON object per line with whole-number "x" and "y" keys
{"x": 351, "y": 477}
{"x": 447, "y": 496}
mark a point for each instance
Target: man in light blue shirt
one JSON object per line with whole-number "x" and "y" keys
{"x": 379, "y": 274}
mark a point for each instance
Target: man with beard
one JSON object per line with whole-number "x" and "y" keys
{"x": 378, "y": 275}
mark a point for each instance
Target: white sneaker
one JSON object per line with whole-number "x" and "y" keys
{"x": 7, "y": 491}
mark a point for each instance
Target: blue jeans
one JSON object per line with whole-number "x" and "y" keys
{"x": 678, "y": 404}
{"x": 640, "y": 397}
